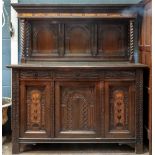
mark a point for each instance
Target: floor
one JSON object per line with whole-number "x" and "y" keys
{"x": 72, "y": 149}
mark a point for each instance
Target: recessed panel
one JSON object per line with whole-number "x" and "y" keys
{"x": 35, "y": 113}
{"x": 45, "y": 38}
{"x": 119, "y": 104}
{"x": 112, "y": 40}
{"x": 77, "y": 39}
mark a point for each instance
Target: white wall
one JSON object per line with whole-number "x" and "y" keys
{"x": 14, "y": 39}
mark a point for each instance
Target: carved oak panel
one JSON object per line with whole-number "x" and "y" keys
{"x": 44, "y": 38}
{"x": 119, "y": 104}
{"x": 35, "y": 103}
{"x": 77, "y": 39}
{"x": 77, "y": 109}
{"x": 112, "y": 40}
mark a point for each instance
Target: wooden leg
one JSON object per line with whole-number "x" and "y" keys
{"x": 15, "y": 148}
{"x": 139, "y": 148}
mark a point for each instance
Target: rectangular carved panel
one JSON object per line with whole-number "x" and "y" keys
{"x": 44, "y": 38}
{"x": 112, "y": 40}
{"x": 77, "y": 106}
{"x": 77, "y": 39}
{"x": 119, "y": 113}
{"x": 36, "y": 116}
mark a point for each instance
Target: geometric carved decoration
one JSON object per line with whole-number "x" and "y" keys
{"x": 77, "y": 106}
{"x": 77, "y": 109}
{"x": 78, "y": 39}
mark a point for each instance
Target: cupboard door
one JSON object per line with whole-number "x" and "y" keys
{"x": 35, "y": 109}
{"x": 77, "y": 109}
{"x": 119, "y": 109}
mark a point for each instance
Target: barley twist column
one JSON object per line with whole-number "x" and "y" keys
{"x": 131, "y": 42}
{"x": 22, "y": 40}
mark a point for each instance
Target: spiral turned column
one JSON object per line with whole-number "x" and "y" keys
{"x": 131, "y": 42}
{"x": 28, "y": 39}
{"x": 22, "y": 40}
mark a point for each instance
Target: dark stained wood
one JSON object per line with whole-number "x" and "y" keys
{"x": 112, "y": 40}
{"x": 77, "y": 8}
{"x": 76, "y": 32}
{"x": 76, "y": 82}
{"x": 45, "y": 38}
{"x": 78, "y": 39}
{"x": 145, "y": 46}
{"x": 79, "y": 102}
{"x": 59, "y": 40}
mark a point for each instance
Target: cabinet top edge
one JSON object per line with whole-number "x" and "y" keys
{"x": 76, "y": 8}
{"x": 84, "y": 65}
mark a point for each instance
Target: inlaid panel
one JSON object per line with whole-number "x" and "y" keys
{"x": 35, "y": 114}
{"x": 77, "y": 109}
{"x": 77, "y": 39}
{"x": 35, "y": 108}
{"x": 119, "y": 109}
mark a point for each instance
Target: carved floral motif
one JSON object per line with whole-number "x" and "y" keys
{"x": 118, "y": 108}
{"x": 35, "y": 107}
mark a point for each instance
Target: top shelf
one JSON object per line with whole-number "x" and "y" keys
{"x": 76, "y": 10}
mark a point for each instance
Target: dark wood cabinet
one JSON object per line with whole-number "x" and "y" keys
{"x": 78, "y": 81}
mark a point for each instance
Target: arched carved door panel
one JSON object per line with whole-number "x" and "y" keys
{"x": 77, "y": 109}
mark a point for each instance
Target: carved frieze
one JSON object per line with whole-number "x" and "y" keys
{"x": 76, "y": 74}
{"x": 75, "y": 15}
{"x": 36, "y": 74}
{"x": 118, "y": 74}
